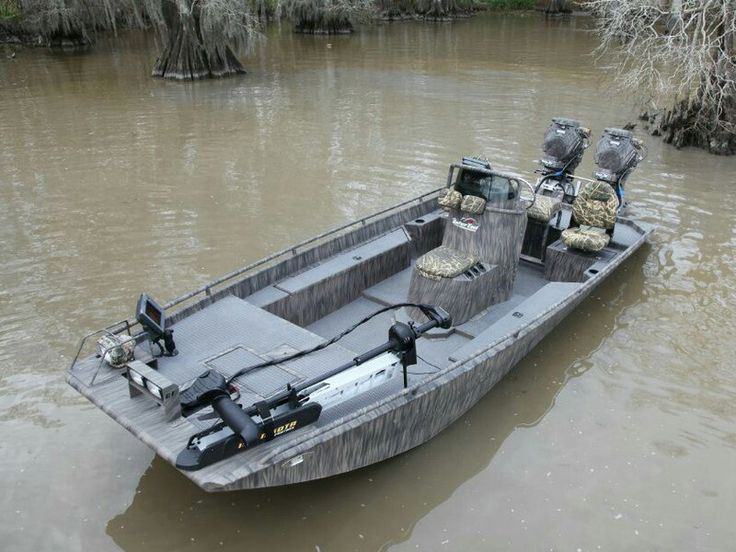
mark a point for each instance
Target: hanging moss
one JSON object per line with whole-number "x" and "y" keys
{"x": 327, "y": 16}
{"x": 9, "y": 9}
{"x": 187, "y": 55}
{"x": 429, "y": 10}
{"x": 66, "y": 23}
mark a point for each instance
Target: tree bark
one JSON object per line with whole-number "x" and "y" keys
{"x": 184, "y": 57}
{"x": 556, "y": 7}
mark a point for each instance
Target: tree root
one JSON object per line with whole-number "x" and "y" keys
{"x": 677, "y": 126}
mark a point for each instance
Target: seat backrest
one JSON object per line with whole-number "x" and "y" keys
{"x": 544, "y": 208}
{"x": 596, "y": 205}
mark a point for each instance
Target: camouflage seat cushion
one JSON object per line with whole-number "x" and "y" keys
{"x": 544, "y": 208}
{"x": 596, "y": 205}
{"x": 444, "y": 262}
{"x": 473, "y": 204}
{"x": 585, "y": 239}
{"x": 450, "y": 199}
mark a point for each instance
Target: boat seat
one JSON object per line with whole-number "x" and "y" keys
{"x": 452, "y": 199}
{"x": 444, "y": 262}
{"x": 544, "y": 208}
{"x": 473, "y": 204}
{"x": 585, "y": 239}
{"x": 595, "y": 211}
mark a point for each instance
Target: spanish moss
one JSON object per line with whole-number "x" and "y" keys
{"x": 327, "y": 16}
{"x": 429, "y": 10}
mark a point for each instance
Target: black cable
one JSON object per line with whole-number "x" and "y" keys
{"x": 321, "y": 346}
{"x": 426, "y": 362}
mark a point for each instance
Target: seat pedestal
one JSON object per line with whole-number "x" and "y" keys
{"x": 563, "y": 264}
{"x": 462, "y": 296}
{"x": 536, "y": 238}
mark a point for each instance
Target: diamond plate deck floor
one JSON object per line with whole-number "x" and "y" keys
{"x": 232, "y": 334}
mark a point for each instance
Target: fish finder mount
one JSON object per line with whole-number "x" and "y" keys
{"x": 152, "y": 318}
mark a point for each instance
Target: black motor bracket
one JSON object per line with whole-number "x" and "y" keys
{"x": 238, "y": 429}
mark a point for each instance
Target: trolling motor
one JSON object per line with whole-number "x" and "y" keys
{"x": 296, "y": 406}
{"x": 617, "y": 153}
{"x": 565, "y": 142}
{"x": 153, "y": 320}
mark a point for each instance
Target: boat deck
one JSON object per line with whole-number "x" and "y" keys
{"x": 229, "y": 333}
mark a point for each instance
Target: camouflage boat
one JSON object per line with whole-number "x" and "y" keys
{"x": 363, "y": 342}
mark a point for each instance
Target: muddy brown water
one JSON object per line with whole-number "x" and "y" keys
{"x": 616, "y": 433}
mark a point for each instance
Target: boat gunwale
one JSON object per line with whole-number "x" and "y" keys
{"x": 127, "y": 324}
{"x": 303, "y": 443}
{"x": 290, "y": 449}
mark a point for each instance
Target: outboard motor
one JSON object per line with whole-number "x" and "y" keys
{"x": 616, "y": 154}
{"x": 564, "y": 144}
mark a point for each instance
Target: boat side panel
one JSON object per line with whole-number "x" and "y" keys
{"x": 330, "y": 285}
{"x": 412, "y": 418}
{"x": 396, "y": 426}
{"x": 301, "y": 260}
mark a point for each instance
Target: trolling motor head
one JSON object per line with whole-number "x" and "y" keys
{"x": 564, "y": 144}
{"x": 152, "y": 318}
{"x": 616, "y": 154}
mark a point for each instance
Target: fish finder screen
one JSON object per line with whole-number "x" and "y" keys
{"x": 150, "y": 315}
{"x": 153, "y": 313}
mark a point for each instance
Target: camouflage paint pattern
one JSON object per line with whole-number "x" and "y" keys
{"x": 116, "y": 349}
{"x": 473, "y": 204}
{"x": 544, "y": 208}
{"x": 585, "y": 239}
{"x": 450, "y": 199}
{"x": 596, "y": 205}
{"x": 444, "y": 262}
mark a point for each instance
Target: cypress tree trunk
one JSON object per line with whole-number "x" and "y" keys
{"x": 428, "y": 10}
{"x": 319, "y": 17}
{"x": 702, "y": 122}
{"x": 555, "y": 7}
{"x": 679, "y": 126}
{"x": 185, "y": 57}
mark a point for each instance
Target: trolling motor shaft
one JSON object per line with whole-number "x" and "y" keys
{"x": 291, "y": 409}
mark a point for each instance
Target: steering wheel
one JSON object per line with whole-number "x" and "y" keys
{"x": 527, "y": 200}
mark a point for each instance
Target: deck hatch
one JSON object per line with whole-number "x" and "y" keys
{"x": 232, "y": 360}
{"x": 266, "y": 381}
{"x": 262, "y": 382}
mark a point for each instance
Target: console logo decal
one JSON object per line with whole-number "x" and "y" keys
{"x": 466, "y": 223}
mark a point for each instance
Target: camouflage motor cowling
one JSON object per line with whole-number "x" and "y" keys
{"x": 616, "y": 153}
{"x": 564, "y": 144}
